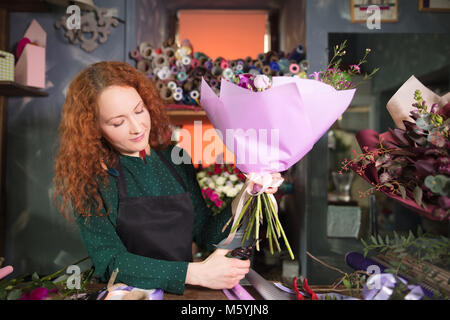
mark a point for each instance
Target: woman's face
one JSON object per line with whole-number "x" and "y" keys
{"x": 124, "y": 120}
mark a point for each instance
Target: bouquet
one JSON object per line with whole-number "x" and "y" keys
{"x": 410, "y": 165}
{"x": 220, "y": 183}
{"x": 269, "y": 124}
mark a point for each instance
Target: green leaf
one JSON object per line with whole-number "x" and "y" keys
{"x": 14, "y": 295}
{"x": 402, "y": 191}
{"x": 418, "y": 194}
{"x": 347, "y": 283}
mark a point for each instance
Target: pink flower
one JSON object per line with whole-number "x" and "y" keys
{"x": 219, "y": 203}
{"x": 38, "y": 294}
{"x": 356, "y": 68}
{"x": 214, "y": 197}
{"x": 209, "y": 192}
{"x": 316, "y": 75}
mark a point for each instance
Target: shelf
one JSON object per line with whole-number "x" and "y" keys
{"x": 12, "y": 89}
{"x": 186, "y": 113}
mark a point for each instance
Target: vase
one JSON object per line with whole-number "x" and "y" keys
{"x": 343, "y": 183}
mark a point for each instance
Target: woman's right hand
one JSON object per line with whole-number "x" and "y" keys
{"x": 217, "y": 271}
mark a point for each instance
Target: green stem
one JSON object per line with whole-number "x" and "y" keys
{"x": 244, "y": 209}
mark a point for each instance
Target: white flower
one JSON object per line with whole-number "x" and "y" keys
{"x": 233, "y": 178}
{"x": 231, "y": 193}
{"x": 211, "y": 185}
{"x": 201, "y": 174}
{"x": 225, "y": 174}
{"x": 214, "y": 177}
{"x": 220, "y": 181}
{"x": 261, "y": 82}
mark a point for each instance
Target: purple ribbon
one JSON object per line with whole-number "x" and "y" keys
{"x": 237, "y": 293}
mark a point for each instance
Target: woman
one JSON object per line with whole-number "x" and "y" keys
{"x": 136, "y": 210}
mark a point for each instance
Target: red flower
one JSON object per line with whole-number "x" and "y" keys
{"x": 217, "y": 169}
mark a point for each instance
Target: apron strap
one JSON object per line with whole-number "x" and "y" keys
{"x": 172, "y": 169}
{"x": 122, "y": 186}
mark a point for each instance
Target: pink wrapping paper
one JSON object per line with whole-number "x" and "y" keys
{"x": 300, "y": 110}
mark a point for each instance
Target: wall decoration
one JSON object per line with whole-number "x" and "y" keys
{"x": 95, "y": 28}
{"x": 359, "y": 12}
{"x": 434, "y": 5}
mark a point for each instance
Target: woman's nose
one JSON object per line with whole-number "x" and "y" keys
{"x": 135, "y": 127}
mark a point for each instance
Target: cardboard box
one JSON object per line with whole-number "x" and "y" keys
{"x": 6, "y": 66}
{"x": 30, "y": 67}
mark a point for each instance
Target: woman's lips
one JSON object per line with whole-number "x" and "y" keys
{"x": 139, "y": 138}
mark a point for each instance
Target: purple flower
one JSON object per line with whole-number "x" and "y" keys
{"x": 356, "y": 68}
{"x": 316, "y": 75}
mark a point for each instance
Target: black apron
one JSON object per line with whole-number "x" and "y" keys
{"x": 158, "y": 227}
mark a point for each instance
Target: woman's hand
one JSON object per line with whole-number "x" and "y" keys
{"x": 217, "y": 271}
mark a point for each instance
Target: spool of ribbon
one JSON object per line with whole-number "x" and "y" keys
{"x": 224, "y": 64}
{"x": 188, "y": 100}
{"x": 174, "y": 69}
{"x": 186, "y": 60}
{"x": 248, "y": 60}
{"x": 227, "y": 73}
{"x": 159, "y": 84}
{"x": 178, "y": 96}
{"x": 194, "y": 94}
{"x": 164, "y": 73}
{"x": 178, "y": 90}
{"x": 239, "y": 67}
{"x": 254, "y": 71}
{"x": 172, "y": 85}
{"x": 261, "y": 57}
{"x": 267, "y": 70}
{"x": 304, "y": 65}
{"x": 195, "y": 63}
{"x": 294, "y": 68}
{"x": 166, "y": 94}
{"x": 259, "y": 65}
{"x": 216, "y": 71}
{"x": 144, "y": 66}
{"x": 274, "y": 66}
{"x": 209, "y": 65}
{"x": 146, "y": 50}
{"x": 160, "y": 61}
{"x": 181, "y": 76}
{"x": 135, "y": 55}
{"x": 169, "y": 52}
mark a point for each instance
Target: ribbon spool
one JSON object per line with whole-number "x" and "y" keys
{"x": 178, "y": 96}
{"x": 227, "y": 73}
{"x": 294, "y": 68}
{"x": 189, "y": 85}
{"x": 304, "y": 66}
{"x": 200, "y": 55}
{"x": 144, "y": 66}
{"x": 159, "y": 85}
{"x": 239, "y": 67}
{"x": 224, "y": 64}
{"x": 209, "y": 65}
{"x": 248, "y": 60}
{"x": 198, "y": 72}
{"x": 169, "y": 52}
{"x": 194, "y": 94}
{"x": 166, "y": 94}
{"x": 164, "y": 73}
{"x": 284, "y": 65}
{"x": 172, "y": 85}
{"x": 216, "y": 71}
{"x": 259, "y": 65}
{"x": 261, "y": 57}
{"x": 174, "y": 70}
{"x": 188, "y": 100}
{"x": 146, "y": 50}
{"x": 202, "y": 61}
{"x": 208, "y": 77}
{"x": 178, "y": 90}
{"x": 168, "y": 43}
{"x": 272, "y": 56}
{"x": 254, "y": 71}
{"x": 195, "y": 63}
{"x": 216, "y": 63}
{"x": 213, "y": 83}
{"x": 266, "y": 70}
{"x": 160, "y": 61}
{"x": 274, "y": 66}
{"x": 182, "y": 76}
{"x": 232, "y": 64}
{"x": 135, "y": 55}
{"x": 186, "y": 60}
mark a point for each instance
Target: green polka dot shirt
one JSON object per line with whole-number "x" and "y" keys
{"x": 149, "y": 178}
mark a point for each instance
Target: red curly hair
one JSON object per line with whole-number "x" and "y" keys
{"x": 82, "y": 149}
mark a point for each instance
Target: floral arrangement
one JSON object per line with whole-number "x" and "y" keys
{"x": 411, "y": 165}
{"x": 342, "y": 79}
{"x": 220, "y": 183}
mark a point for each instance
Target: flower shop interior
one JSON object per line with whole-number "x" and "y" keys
{"x": 335, "y": 215}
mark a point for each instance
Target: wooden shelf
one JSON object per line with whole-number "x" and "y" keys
{"x": 12, "y": 89}
{"x": 186, "y": 113}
